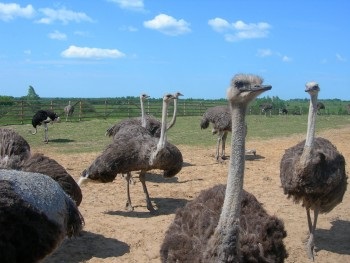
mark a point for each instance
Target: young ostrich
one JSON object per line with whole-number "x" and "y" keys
{"x": 15, "y": 154}
{"x": 313, "y": 172}
{"x": 227, "y": 224}
{"x": 68, "y": 110}
{"x": 43, "y": 117}
{"x": 35, "y": 216}
{"x": 135, "y": 149}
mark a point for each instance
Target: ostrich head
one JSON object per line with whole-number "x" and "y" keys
{"x": 312, "y": 88}
{"x": 245, "y": 88}
{"x": 177, "y": 94}
{"x": 144, "y": 97}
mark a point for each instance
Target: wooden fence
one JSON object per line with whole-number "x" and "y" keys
{"x": 22, "y": 111}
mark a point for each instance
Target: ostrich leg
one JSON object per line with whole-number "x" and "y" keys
{"x": 128, "y": 205}
{"x": 148, "y": 200}
{"x": 46, "y": 137}
{"x": 223, "y": 143}
{"x": 310, "y": 243}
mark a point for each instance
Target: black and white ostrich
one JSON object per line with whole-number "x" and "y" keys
{"x": 226, "y": 223}
{"x": 313, "y": 172}
{"x": 43, "y": 117}
{"x": 136, "y": 149}
{"x": 15, "y": 154}
{"x": 35, "y": 216}
{"x": 68, "y": 110}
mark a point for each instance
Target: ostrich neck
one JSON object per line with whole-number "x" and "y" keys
{"x": 173, "y": 120}
{"x": 143, "y": 115}
{"x": 228, "y": 226}
{"x": 310, "y": 134}
{"x": 162, "y": 137}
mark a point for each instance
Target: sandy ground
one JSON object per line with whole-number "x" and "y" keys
{"x": 112, "y": 234}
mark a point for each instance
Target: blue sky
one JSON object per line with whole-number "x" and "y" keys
{"x": 116, "y": 48}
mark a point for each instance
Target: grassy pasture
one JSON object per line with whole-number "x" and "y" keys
{"x": 88, "y": 136}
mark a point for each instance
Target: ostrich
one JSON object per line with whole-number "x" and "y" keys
{"x": 68, "y": 110}
{"x": 266, "y": 107}
{"x": 40, "y": 163}
{"x": 15, "y": 154}
{"x": 320, "y": 106}
{"x": 135, "y": 149}
{"x": 227, "y": 224}
{"x": 146, "y": 121}
{"x": 220, "y": 117}
{"x": 43, "y": 117}
{"x": 13, "y": 149}
{"x": 35, "y": 216}
{"x": 313, "y": 172}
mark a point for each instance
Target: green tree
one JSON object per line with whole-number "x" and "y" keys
{"x": 32, "y": 94}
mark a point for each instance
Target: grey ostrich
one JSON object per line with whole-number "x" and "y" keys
{"x": 35, "y": 216}
{"x": 220, "y": 117}
{"x": 13, "y": 149}
{"x": 152, "y": 124}
{"x": 68, "y": 110}
{"x": 227, "y": 224}
{"x": 313, "y": 172}
{"x": 15, "y": 154}
{"x": 135, "y": 149}
{"x": 265, "y": 107}
{"x": 44, "y": 117}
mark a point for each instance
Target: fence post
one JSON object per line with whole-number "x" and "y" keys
{"x": 80, "y": 110}
{"x": 22, "y": 112}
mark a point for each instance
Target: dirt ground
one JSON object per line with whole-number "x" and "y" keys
{"x": 112, "y": 234}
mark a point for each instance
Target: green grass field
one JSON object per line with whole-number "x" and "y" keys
{"x": 88, "y": 136}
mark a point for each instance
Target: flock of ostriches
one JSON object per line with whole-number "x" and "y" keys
{"x": 39, "y": 200}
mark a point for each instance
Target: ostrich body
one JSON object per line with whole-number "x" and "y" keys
{"x": 13, "y": 149}
{"x": 313, "y": 172}
{"x": 220, "y": 117}
{"x": 135, "y": 149}
{"x": 40, "y": 163}
{"x": 227, "y": 225}
{"x": 43, "y": 117}
{"x": 15, "y": 154}
{"x": 35, "y": 216}
{"x": 266, "y": 107}
{"x": 69, "y": 110}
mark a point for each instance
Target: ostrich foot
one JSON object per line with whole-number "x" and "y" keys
{"x": 221, "y": 159}
{"x": 310, "y": 248}
{"x": 129, "y": 207}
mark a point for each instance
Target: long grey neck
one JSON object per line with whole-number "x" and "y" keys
{"x": 310, "y": 134}
{"x": 228, "y": 226}
{"x": 143, "y": 115}
{"x": 162, "y": 137}
{"x": 173, "y": 120}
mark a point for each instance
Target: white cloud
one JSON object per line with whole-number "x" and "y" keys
{"x": 168, "y": 25}
{"x": 87, "y": 52}
{"x": 57, "y": 35}
{"x": 286, "y": 59}
{"x": 11, "y": 10}
{"x": 340, "y": 58}
{"x": 239, "y": 30}
{"x": 268, "y": 53}
{"x": 128, "y": 28}
{"x": 264, "y": 53}
{"x": 135, "y": 5}
{"x": 63, "y": 15}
